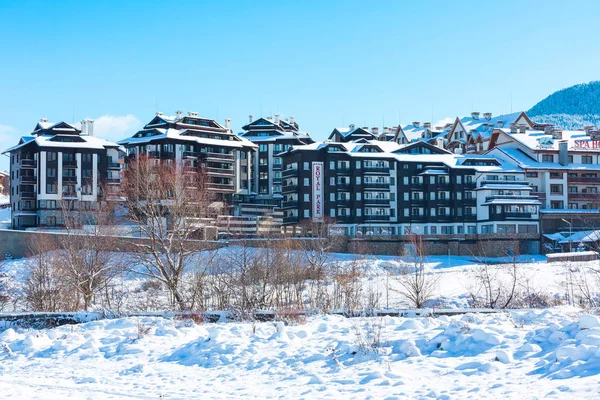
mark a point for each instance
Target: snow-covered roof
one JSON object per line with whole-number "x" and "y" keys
{"x": 504, "y": 187}
{"x": 527, "y": 162}
{"x": 531, "y": 202}
{"x": 48, "y": 140}
{"x": 176, "y": 134}
{"x": 539, "y": 140}
{"x": 582, "y": 237}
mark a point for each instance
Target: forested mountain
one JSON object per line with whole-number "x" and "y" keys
{"x": 570, "y": 108}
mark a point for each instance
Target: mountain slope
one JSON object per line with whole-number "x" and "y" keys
{"x": 570, "y": 108}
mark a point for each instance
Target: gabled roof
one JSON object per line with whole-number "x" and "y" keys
{"x": 411, "y": 147}
{"x": 352, "y": 131}
{"x": 43, "y": 126}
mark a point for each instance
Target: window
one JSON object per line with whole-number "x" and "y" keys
{"x": 471, "y": 230}
{"x": 469, "y": 195}
{"x": 469, "y": 179}
{"x": 405, "y": 180}
{"x": 306, "y": 166}
{"x": 306, "y": 182}
{"x": 406, "y": 196}
{"x": 572, "y": 189}
{"x": 442, "y": 211}
{"x": 532, "y": 174}
{"x": 263, "y": 148}
{"x": 306, "y": 197}
{"x": 547, "y": 158}
{"x": 586, "y": 159}
{"x": 357, "y": 164}
{"x": 432, "y": 212}
{"x": 458, "y": 195}
{"x": 86, "y": 158}
{"x": 332, "y": 212}
{"x": 557, "y": 205}
{"x": 51, "y": 188}
{"x": 51, "y": 172}
{"x": 358, "y": 212}
{"x": 556, "y": 189}
{"x": 358, "y": 196}
{"x": 406, "y": 212}
{"x": 556, "y": 175}
{"x": 358, "y": 180}
{"x": 306, "y": 213}
{"x": 331, "y": 164}
{"x": 571, "y": 159}
{"x": 51, "y": 156}
{"x": 447, "y": 230}
{"x": 263, "y": 161}
{"x": 332, "y": 181}
{"x": 434, "y": 230}
{"x": 264, "y": 175}
{"x": 431, "y": 195}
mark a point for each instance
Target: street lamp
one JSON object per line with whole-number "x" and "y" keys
{"x": 570, "y": 235}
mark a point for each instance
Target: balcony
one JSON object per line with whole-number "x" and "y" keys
{"x": 343, "y": 170}
{"x": 376, "y": 201}
{"x": 277, "y": 181}
{"x": 503, "y": 182}
{"x": 376, "y": 169}
{"x": 511, "y": 197}
{"x": 27, "y": 163}
{"x": 220, "y": 156}
{"x": 582, "y": 179}
{"x": 112, "y": 165}
{"x": 290, "y": 220}
{"x": 113, "y": 181}
{"x": 223, "y": 187}
{"x": 28, "y": 195}
{"x": 343, "y": 186}
{"x": 220, "y": 171}
{"x": 290, "y": 172}
{"x": 193, "y": 155}
{"x": 376, "y": 218}
{"x": 516, "y": 214}
{"x": 153, "y": 154}
{"x": 584, "y": 196}
{"x": 167, "y": 155}
{"x": 69, "y": 164}
{"x": 290, "y": 188}
{"x": 69, "y": 194}
{"x": 277, "y": 167}
{"x": 71, "y": 179}
{"x": 290, "y": 204}
{"x": 28, "y": 207}
{"x": 29, "y": 179}
{"x": 376, "y": 185}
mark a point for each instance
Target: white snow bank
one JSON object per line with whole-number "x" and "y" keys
{"x": 509, "y": 355}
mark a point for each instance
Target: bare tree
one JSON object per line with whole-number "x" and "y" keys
{"x": 416, "y": 284}
{"x": 88, "y": 261}
{"x": 4, "y": 291}
{"x": 170, "y": 203}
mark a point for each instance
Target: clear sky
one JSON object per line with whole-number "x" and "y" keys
{"x": 328, "y": 63}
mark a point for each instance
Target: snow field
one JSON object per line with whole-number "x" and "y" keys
{"x": 553, "y": 353}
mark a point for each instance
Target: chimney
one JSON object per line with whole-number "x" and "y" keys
{"x": 43, "y": 119}
{"x": 416, "y": 123}
{"x": 87, "y": 127}
{"x": 487, "y": 115}
{"x": 375, "y": 130}
{"x": 548, "y": 129}
{"x": 440, "y": 143}
{"x": 179, "y": 114}
{"x": 352, "y": 127}
{"x": 427, "y": 125}
{"x": 500, "y": 123}
{"x": 475, "y": 115}
{"x": 192, "y": 114}
{"x": 563, "y": 153}
{"x": 159, "y": 113}
{"x": 522, "y": 128}
{"x": 557, "y": 134}
{"x": 277, "y": 118}
{"x": 250, "y": 118}
{"x": 228, "y": 124}
{"x": 292, "y": 120}
{"x": 514, "y": 128}
{"x": 458, "y": 150}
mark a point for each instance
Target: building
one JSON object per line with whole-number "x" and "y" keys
{"x": 4, "y": 183}
{"x": 56, "y": 163}
{"x": 370, "y": 187}
{"x": 193, "y": 142}
{"x": 272, "y": 137}
{"x": 563, "y": 168}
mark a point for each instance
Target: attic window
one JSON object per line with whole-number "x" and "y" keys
{"x": 67, "y": 139}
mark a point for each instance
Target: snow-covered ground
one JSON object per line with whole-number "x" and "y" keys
{"x": 520, "y": 355}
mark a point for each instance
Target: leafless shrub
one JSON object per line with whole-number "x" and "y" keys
{"x": 416, "y": 284}
{"x": 369, "y": 336}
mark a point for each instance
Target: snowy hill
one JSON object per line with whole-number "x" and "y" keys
{"x": 571, "y": 108}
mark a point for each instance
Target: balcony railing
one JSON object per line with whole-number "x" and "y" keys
{"x": 377, "y": 201}
{"x": 27, "y": 163}
{"x": 290, "y": 172}
{"x": 112, "y": 165}
{"x": 382, "y": 185}
{"x": 277, "y": 167}
{"x": 221, "y": 186}
{"x": 517, "y": 214}
{"x": 511, "y": 197}
{"x": 583, "y": 179}
{"x": 373, "y": 218}
{"x": 69, "y": 195}
{"x": 28, "y": 195}
{"x": 220, "y": 156}
{"x": 220, "y": 171}
{"x": 290, "y": 188}
{"x": 70, "y": 164}
{"x": 584, "y": 196}
{"x": 290, "y": 220}
{"x": 113, "y": 181}
{"x": 503, "y": 182}
{"x": 69, "y": 179}
{"x": 373, "y": 169}
{"x": 290, "y": 204}
{"x": 26, "y": 178}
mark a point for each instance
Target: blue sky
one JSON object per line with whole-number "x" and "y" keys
{"x": 328, "y": 63}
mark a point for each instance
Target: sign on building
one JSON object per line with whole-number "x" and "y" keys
{"x": 317, "y": 192}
